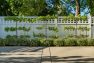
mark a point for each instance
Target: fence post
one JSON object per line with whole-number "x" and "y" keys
{"x": 55, "y": 22}
{"x": 89, "y": 21}
{"x": 56, "y": 25}
{"x": 16, "y": 30}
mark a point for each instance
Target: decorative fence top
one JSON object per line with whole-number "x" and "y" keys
{"x": 59, "y": 20}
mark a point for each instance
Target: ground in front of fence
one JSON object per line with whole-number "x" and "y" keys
{"x": 42, "y": 55}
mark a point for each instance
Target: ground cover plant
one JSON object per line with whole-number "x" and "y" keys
{"x": 26, "y": 41}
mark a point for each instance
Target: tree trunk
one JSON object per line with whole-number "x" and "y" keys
{"x": 77, "y": 7}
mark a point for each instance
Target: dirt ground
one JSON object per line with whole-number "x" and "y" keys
{"x": 46, "y": 54}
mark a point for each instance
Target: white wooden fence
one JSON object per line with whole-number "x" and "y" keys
{"x": 59, "y": 23}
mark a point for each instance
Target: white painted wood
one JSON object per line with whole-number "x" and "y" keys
{"x": 57, "y": 22}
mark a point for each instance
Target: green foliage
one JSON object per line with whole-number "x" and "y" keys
{"x": 26, "y": 7}
{"x": 5, "y": 8}
{"x": 12, "y": 41}
{"x": 26, "y": 19}
{"x": 2, "y": 42}
{"x": 77, "y": 36}
{"x": 24, "y": 36}
{"x": 59, "y": 42}
{"x": 41, "y": 35}
{"x": 82, "y": 42}
{"x": 73, "y": 18}
{"x": 70, "y": 41}
{"x": 54, "y": 36}
{"x": 84, "y": 18}
{"x": 91, "y": 6}
{"x": 58, "y": 8}
{"x": 19, "y": 28}
{"x": 22, "y": 41}
{"x": 42, "y": 41}
{"x": 69, "y": 28}
{"x": 9, "y": 36}
{"x": 39, "y": 28}
{"x": 24, "y": 28}
{"x": 34, "y": 42}
{"x": 10, "y": 29}
{"x": 72, "y": 28}
{"x": 49, "y": 42}
{"x": 55, "y": 29}
{"x": 11, "y": 18}
{"x": 8, "y": 42}
{"x": 44, "y": 18}
{"x": 38, "y": 7}
{"x": 91, "y": 42}
{"x": 19, "y": 18}
{"x": 21, "y": 36}
{"x": 46, "y": 42}
{"x": 7, "y": 29}
{"x": 30, "y": 8}
{"x": 82, "y": 36}
{"x": 82, "y": 28}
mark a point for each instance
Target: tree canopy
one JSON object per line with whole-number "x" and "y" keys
{"x": 91, "y": 6}
{"x": 27, "y": 7}
{"x": 4, "y": 8}
{"x": 45, "y": 7}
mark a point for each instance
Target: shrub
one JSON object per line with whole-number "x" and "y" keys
{"x": 70, "y": 42}
{"x": 49, "y": 42}
{"x": 4, "y": 42}
{"x": 34, "y": 42}
{"x": 82, "y": 42}
{"x": 1, "y": 42}
{"x": 24, "y": 42}
{"x": 59, "y": 42}
{"x": 12, "y": 41}
{"x": 42, "y": 42}
{"x": 91, "y": 42}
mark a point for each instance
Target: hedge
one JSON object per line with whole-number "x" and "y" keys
{"x": 13, "y": 41}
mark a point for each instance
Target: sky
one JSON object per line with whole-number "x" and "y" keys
{"x": 71, "y": 6}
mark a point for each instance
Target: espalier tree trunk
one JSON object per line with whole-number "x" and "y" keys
{"x": 77, "y": 7}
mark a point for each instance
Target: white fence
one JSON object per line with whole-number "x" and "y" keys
{"x": 59, "y": 23}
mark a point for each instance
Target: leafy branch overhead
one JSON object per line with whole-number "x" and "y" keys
{"x": 45, "y": 7}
